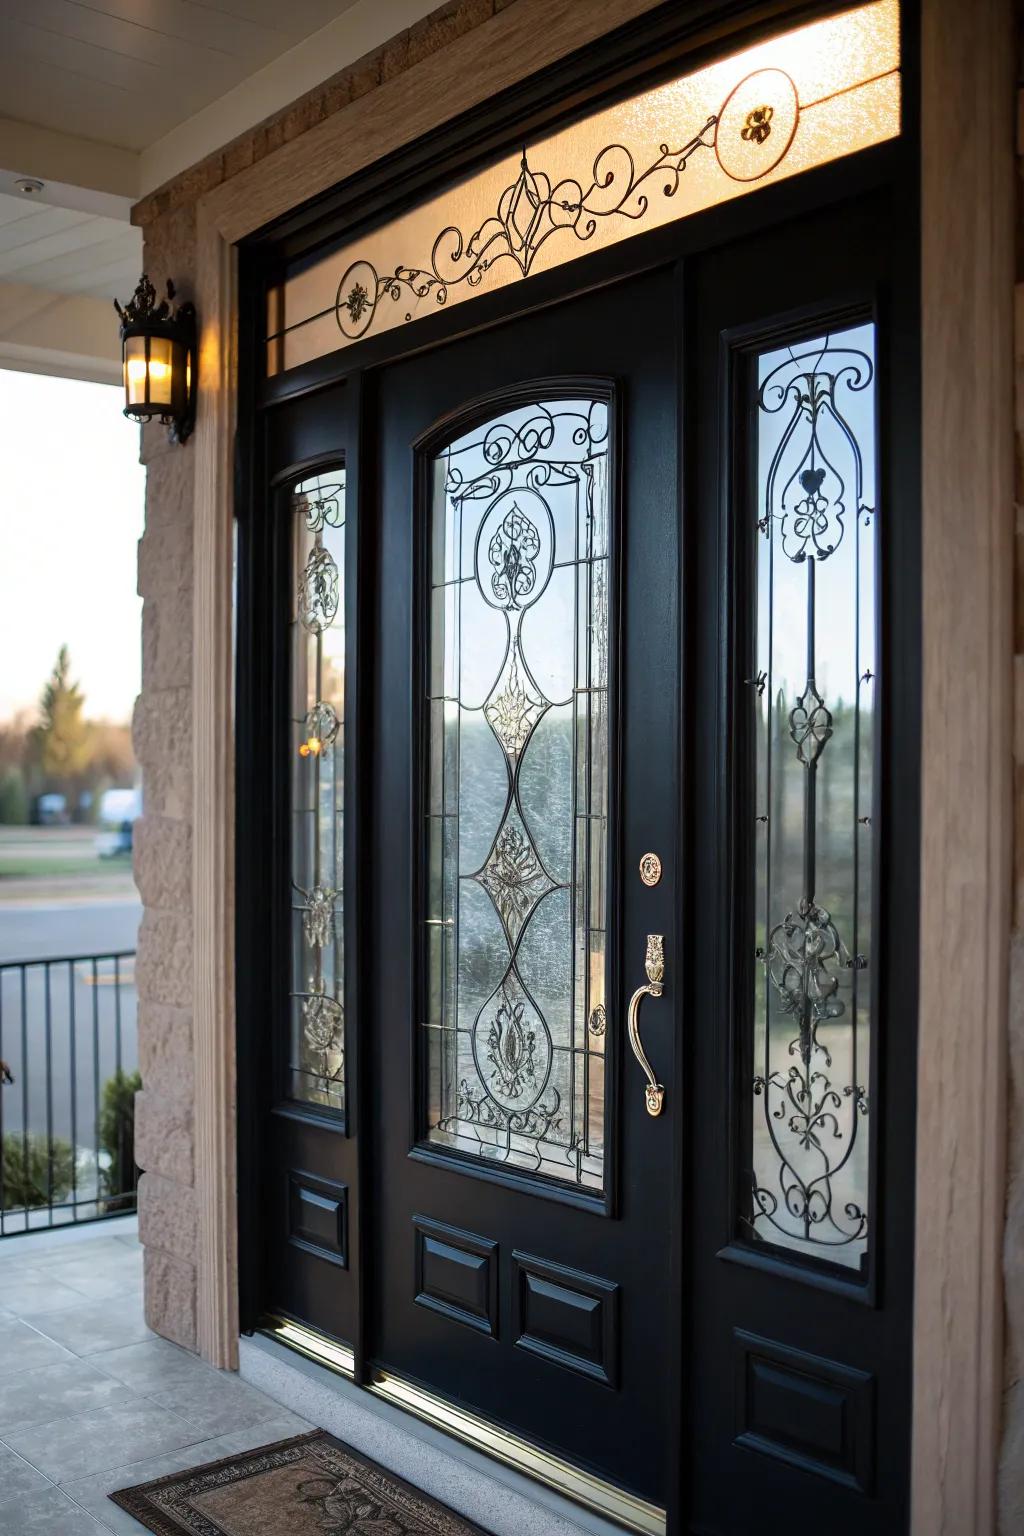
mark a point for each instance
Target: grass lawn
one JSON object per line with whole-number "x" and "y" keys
{"x": 17, "y": 866}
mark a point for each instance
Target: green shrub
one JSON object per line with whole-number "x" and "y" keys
{"x": 13, "y": 798}
{"x": 46, "y": 1172}
{"x": 118, "y": 1173}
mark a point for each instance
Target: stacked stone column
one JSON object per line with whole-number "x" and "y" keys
{"x": 163, "y": 854}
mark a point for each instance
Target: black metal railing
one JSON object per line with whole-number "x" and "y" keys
{"x": 68, "y": 1077}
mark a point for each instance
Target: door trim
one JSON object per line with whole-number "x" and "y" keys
{"x": 967, "y": 292}
{"x": 967, "y": 63}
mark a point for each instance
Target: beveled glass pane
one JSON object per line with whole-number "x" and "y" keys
{"x": 514, "y": 1008}
{"x": 770, "y": 111}
{"x": 812, "y": 699}
{"x": 316, "y": 1059}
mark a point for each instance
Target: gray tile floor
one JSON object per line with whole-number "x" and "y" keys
{"x": 90, "y": 1399}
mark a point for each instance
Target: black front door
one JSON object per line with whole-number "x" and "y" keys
{"x": 527, "y": 644}
{"x": 590, "y": 916}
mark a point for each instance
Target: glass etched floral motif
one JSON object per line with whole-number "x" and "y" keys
{"x": 316, "y": 1070}
{"x": 773, "y": 110}
{"x": 812, "y": 691}
{"x": 516, "y": 817}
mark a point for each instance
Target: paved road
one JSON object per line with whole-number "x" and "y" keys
{"x": 67, "y": 928}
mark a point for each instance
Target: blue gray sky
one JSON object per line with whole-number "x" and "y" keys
{"x": 71, "y": 514}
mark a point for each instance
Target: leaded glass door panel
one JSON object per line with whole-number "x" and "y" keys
{"x": 298, "y": 696}
{"x": 516, "y": 814}
{"x": 526, "y": 637}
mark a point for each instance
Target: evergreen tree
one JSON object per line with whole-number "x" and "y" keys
{"x": 62, "y": 741}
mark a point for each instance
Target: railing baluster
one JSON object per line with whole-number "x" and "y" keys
{"x": 24, "y": 1092}
{"x": 96, "y": 1076}
{"x": 3, "y": 1161}
{"x": 73, "y": 1065}
{"x": 117, "y": 1078}
{"x": 48, "y": 1017}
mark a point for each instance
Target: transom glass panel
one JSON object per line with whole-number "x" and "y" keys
{"x": 768, "y": 112}
{"x": 516, "y": 813}
{"x": 812, "y": 696}
{"x": 316, "y": 1063}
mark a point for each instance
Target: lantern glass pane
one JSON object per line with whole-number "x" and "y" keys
{"x": 161, "y": 371}
{"x": 135, "y": 370}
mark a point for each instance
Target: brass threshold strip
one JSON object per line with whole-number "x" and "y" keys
{"x": 315, "y": 1346}
{"x": 626, "y": 1509}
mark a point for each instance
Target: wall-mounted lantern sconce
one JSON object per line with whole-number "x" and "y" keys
{"x": 158, "y": 346}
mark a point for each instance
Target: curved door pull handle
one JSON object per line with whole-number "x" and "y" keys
{"x": 654, "y": 1093}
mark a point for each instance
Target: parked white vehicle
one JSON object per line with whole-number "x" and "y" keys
{"x": 118, "y": 812}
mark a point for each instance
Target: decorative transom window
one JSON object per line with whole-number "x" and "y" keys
{"x": 771, "y": 111}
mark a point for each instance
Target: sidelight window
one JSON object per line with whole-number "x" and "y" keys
{"x": 516, "y": 816}
{"x": 316, "y": 1064}
{"x": 813, "y": 711}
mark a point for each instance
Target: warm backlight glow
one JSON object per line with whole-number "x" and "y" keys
{"x": 796, "y": 101}
{"x": 158, "y": 369}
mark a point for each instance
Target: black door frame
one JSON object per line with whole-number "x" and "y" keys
{"x": 626, "y": 61}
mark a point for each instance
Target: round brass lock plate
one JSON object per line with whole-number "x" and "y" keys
{"x": 650, "y": 869}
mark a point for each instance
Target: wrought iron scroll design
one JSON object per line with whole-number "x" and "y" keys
{"x": 319, "y": 1068}
{"x": 503, "y": 1093}
{"x": 539, "y": 205}
{"x": 812, "y": 1102}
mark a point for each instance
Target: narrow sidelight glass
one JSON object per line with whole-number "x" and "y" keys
{"x": 812, "y": 711}
{"x": 316, "y": 1062}
{"x": 515, "y": 819}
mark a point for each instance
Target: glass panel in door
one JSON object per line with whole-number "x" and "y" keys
{"x": 517, "y": 791}
{"x": 316, "y": 1063}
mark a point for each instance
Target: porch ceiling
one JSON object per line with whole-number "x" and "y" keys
{"x": 125, "y": 72}
{"x": 102, "y": 101}
{"x": 65, "y": 250}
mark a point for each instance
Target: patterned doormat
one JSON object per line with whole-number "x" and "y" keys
{"x": 310, "y": 1486}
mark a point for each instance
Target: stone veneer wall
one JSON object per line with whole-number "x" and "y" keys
{"x": 163, "y": 852}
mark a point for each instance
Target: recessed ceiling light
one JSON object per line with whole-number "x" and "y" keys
{"x": 29, "y": 185}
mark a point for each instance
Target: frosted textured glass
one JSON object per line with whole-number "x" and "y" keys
{"x": 771, "y": 111}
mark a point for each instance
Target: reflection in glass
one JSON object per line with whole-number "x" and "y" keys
{"x": 516, "y": 823}
{"x": 316, "y": 1069}
{"x": 813, "y": 701}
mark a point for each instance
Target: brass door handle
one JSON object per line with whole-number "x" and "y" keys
{"x": 654, "y": 963}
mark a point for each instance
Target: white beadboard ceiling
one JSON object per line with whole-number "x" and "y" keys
{"x": 65, "y": 251}
{"x": 125, "y": 72}
{"x": 103, "y": 100}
